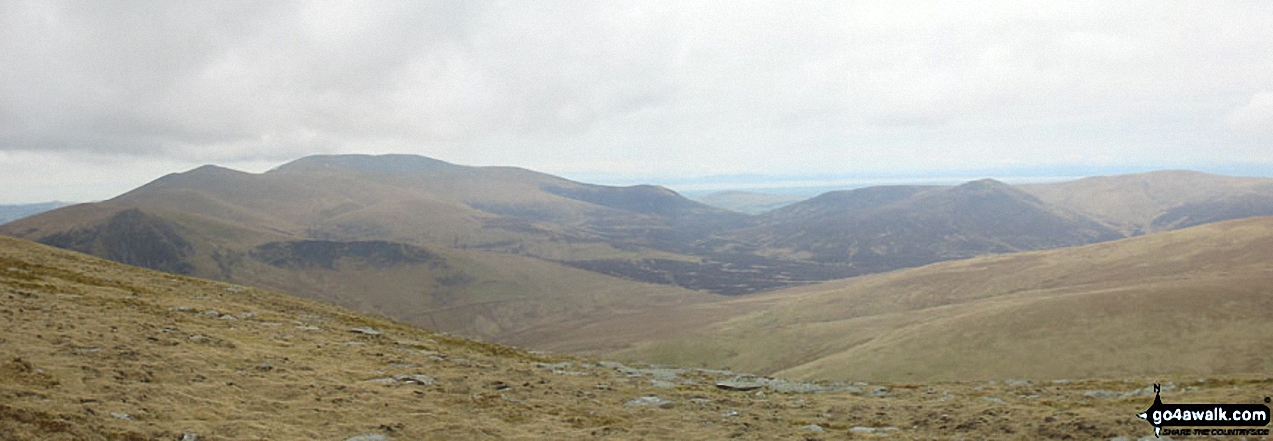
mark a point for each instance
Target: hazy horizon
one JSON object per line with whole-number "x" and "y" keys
{"x": 807, "y": 185}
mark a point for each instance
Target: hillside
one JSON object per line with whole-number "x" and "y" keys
{"x": 477, "y": 293}
{"x": 1157, "y": 201}
{"x": 524, "y": 257}
{"x": 878, "y": 229}
{"x": 641, "y": 233}
{"x": 1196, "y": 301}
{"x": 94, "y": 350}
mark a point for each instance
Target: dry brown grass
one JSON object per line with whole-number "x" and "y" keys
{"x": 84, "y": 342}
{"x": 1197, "y": 301}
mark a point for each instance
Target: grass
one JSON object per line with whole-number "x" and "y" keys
{"x": 1195, "y": 301}
{"x": 95, "y": 350}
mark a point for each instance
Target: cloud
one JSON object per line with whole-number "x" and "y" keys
{"x": 1256, "y": 117}
{"x": 650, "y": 88}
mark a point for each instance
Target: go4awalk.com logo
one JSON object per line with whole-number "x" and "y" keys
{"x": 1207, "y": 417}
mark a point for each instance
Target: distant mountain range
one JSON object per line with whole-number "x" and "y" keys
{"x": 497, "y": 251}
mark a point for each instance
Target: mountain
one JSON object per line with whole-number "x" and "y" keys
{"x": 513, "y": 255}
{"x": 878, "y": 229}
{"x": 95, "y": 350}
{"x": 342, "y": 230}
{"x": 641, "y": 233}
{"x": 747, "y": 201}
{"x": 1197, "y": 301}
{"x": 1158, "y": 201}
{"x": 10, "y": 213}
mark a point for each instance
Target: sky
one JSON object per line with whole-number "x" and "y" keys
{"x": 97, "y": 98}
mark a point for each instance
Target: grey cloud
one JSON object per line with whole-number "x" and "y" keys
{"x": 649, "y": 87}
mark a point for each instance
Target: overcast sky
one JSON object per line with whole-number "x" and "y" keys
{"x": 99, "y": 97}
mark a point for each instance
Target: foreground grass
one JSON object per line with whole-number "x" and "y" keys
{"x": 95, "y": 350}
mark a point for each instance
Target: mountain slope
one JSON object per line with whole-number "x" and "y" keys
{"x": 477, "y": 293}
{"x": 1158, "y": 201}
{"x": 1198, "y": 301}
{"x": 882, "y": 228}
{"x": 93, "y": 350}
{"x": 642, "y": 233}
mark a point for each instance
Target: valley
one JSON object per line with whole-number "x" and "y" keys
{"x": 889, "y": 283}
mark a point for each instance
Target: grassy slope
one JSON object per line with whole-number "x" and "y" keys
{"x": 483, "y": 294}
{"x": 1131, "y": 202}
{"x": 93, "y": 350}
{"x": 1196, "y": 301}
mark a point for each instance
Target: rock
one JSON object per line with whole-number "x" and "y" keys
{"x": 729, "y": 413}
{"x": 995, "y": 400}
{"x": 181, "y": 309}
{"x": 1017, "y": 383}
{"x": 410, "y": 344}
{"x": 662, "y": 384}
{"x": 813, "y": 428}
{"x": 122, "y": 416}
{"x": 189, "y": 437}
{"x": 662, "y": 373}
{"x": 307, "y": 328}
{"x": 795, "y": 387}
{"x": 1103, "y": 394}
{"x": 368, "y": 437}
{"x": 212, "y": 313}
{"x": 612, "y": 365}
{"x": 739, "y": 384}
{"x": 650, "y": 401}
{"x": 365, "y": 330}
{"x": 423, "y": 380}
{"x": 1148, "y": 391}
{"x": 873, "y": 430}
{"x": 559, "y": 368}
